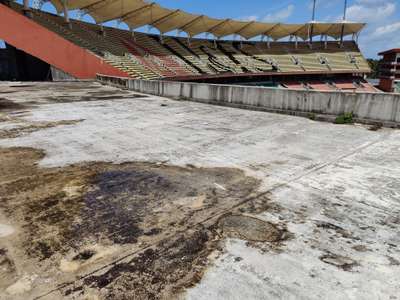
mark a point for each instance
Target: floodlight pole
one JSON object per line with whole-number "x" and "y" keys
{"x": 344, "y": 19}
{"x": 313, "y": 12}
{"x": 312, "y": 22}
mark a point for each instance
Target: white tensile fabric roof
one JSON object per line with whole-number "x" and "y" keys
{"x": 137, "y": 13}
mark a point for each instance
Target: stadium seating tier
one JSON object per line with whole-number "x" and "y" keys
{"x": 154, "y": 57}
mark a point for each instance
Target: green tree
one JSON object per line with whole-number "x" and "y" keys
{"x": 374, "y": 65}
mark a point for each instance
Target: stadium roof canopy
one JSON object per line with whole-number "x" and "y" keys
{"x": 138, "y": 13}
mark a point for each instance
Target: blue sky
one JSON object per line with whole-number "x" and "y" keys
{"x": 382, "y": 16}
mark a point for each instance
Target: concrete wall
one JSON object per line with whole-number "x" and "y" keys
{"x": 366, "y": 107}
{"x": 59, "y": 75}
{"x": 397, "y": 86}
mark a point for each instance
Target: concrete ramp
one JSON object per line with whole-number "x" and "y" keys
{"x": 34, "y": 39}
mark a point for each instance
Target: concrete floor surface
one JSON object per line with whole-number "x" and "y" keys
{"x": 334, "y": 188}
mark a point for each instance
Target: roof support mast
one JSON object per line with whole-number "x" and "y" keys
{"x": 344, "y": 20}
{"x": 66, "y": 14}
{"x": 27, "y": 9}
{"x": 311, "y": 30}
{"x": 26, "y": 5}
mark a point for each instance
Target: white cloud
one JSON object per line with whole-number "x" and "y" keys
{"x": 249, "y": 18}
{"x": 381, "y": 32}
{"x": 386, "y": 29}
{"x": 324, "y": 4}
{"x": 281, "y": 15}
{"x": 380, "y": 15}
{"x": 371, "y": 2}
{"x": 370, "y": 11}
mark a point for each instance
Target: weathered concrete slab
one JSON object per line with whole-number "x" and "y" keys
{"x": 328, "y": 195}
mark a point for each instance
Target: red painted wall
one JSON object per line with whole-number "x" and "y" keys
{"x": 30, "y": 37}
{"x": 386, "y": 85}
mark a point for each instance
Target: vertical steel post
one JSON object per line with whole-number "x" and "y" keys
{"x": 102, "y": 31}
{"x": 133, "y": 34}
{"x": 344, "y": 20}
{"x": 313, "y": 12}
{"x": 312, "y": 22}
{"x": 66, "y": 13}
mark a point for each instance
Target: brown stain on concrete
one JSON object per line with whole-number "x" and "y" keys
{"x": 79, "y": 218}
{"x": 8, "y": 272}
{"x": 9, "y": 105}
{"x": 28, "y": 128}
{"x": 114, "y": 231}
{"x": 250, "y": 228}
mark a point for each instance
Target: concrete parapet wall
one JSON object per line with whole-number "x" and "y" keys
{"x": 366, "y": 107}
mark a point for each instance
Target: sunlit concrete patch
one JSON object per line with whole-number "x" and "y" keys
{"x": 21, "y": 286}
{"x": 6, "y": 230}
{"x": 344, "y": 220}
{"x": 247, "y": 273}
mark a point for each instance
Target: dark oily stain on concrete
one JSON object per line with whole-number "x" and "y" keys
{"x": 118, "y": 195}
{"x": 158, "y": 273}
{"x": 361, "y": 248}
{"x": 6, "y": 105}
{"x": 7, "y": 269}
{"x": 339, "y": 261}
{"x": 393, "y": 261}
{"x": 32, "y": 127}
{"x": 65, "y": 213}
{"x": 339, "y": 230}
{"x": 22, "y": 85}
{"x": 84, "y": 255}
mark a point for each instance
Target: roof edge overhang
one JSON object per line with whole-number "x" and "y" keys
{"x": 138, "y": 13}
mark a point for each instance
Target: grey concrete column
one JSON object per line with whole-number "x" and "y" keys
{"x": 66, "y": 13}
{"x": 27, "y": 9}
{"x": 26, "y": 4}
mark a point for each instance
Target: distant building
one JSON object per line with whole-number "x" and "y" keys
{"x": 389, "y": 71}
